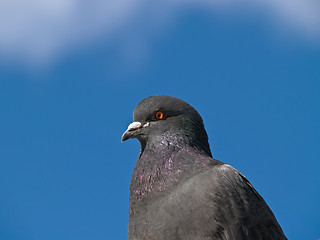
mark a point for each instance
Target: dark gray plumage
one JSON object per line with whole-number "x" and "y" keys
{"x": 178, "y": 191}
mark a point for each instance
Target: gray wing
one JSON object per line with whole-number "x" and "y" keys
{"x": 218, "y": 203}
{"x": 239, "y": 212}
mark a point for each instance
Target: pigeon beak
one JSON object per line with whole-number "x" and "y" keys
{"x": 132, "y": 129}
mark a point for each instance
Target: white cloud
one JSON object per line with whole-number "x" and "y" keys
{"x": 40, "y": 30}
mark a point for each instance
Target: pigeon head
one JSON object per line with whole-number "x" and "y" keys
{"x": 159, "y": 120}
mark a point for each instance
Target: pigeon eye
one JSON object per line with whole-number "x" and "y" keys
{"x": 159, "y": 115}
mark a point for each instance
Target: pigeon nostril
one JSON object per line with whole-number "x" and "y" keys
{"x": 134, "y": 126}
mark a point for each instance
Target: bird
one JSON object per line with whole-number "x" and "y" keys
{"x": 179, "y": 191}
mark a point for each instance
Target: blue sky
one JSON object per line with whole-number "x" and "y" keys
{"x": 71, "y": 75}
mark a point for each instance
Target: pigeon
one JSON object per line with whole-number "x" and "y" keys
{"x": 179, "y": 191}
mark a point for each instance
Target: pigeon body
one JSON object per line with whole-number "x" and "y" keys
{"x": 178, "y": 191}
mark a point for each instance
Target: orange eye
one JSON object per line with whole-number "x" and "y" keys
{"x": 159, "y": 115}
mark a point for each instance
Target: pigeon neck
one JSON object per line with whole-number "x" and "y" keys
{"x": 159, "y": 169}
{"x": 167, "y": 142}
